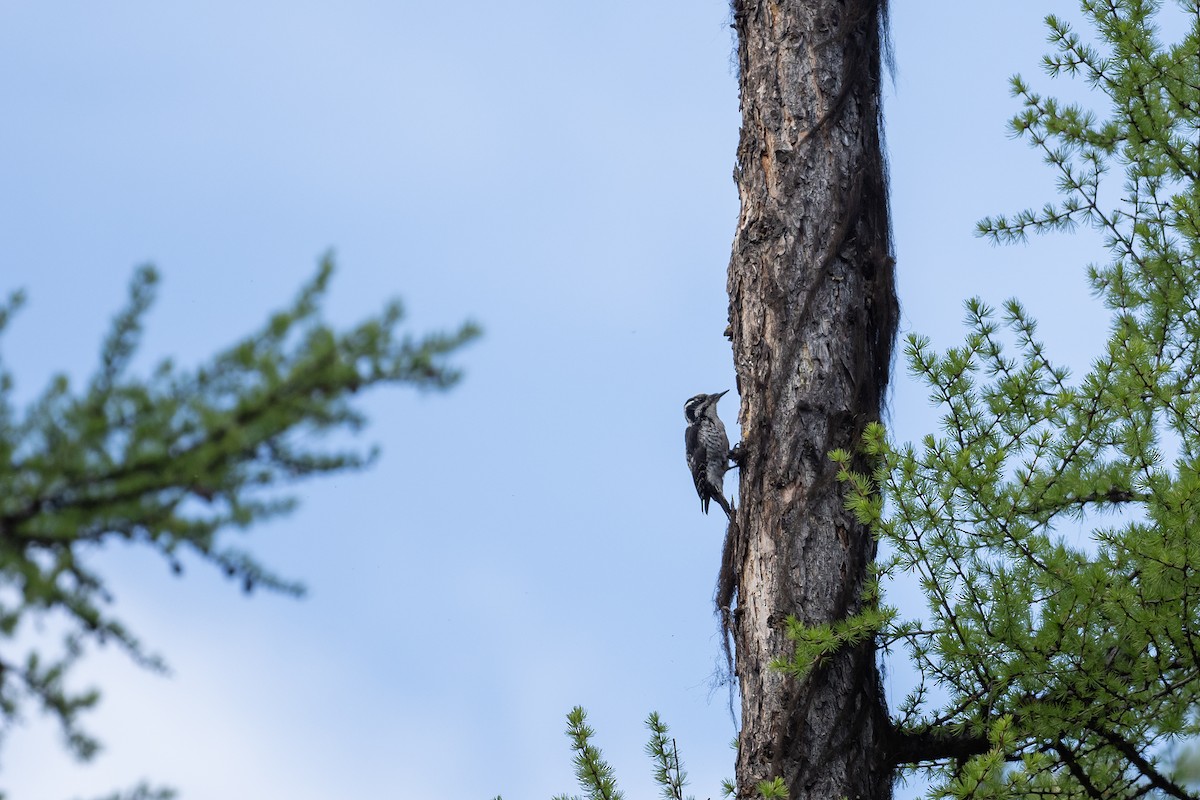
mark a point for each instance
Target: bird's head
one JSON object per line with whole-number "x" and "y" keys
{"x": 695, "y": 408}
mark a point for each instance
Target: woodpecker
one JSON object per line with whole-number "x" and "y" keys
{"x": 707, "y": 449}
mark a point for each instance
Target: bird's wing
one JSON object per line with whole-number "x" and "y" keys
{"x": 695, "y": 458}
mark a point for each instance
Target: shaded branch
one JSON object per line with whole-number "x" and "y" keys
{"x": 914, "y": 747}
{"x": 1156, "y": 778}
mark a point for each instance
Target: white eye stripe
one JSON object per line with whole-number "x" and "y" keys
{"x": 692, "y": 407}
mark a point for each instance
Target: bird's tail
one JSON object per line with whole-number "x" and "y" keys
{"x": 725, "y": 504}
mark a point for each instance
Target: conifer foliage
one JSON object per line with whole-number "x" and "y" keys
{"x": 170, "y": 461}
{"x": 1054, "y": 521}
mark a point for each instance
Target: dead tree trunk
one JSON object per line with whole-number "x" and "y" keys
{"x": 813, "y": 319}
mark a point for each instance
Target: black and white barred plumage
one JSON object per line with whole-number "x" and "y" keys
{"x": 707, "y": 449}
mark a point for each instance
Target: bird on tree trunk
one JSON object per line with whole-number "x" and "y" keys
{"x": 707, "y": 448}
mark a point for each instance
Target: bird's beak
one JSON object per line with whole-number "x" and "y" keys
{"x": 722, "y": 394}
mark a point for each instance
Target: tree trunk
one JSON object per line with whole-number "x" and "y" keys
{"x": 813, "y": 319}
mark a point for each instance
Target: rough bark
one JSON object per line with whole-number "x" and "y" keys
{"x": 812, "y": 318}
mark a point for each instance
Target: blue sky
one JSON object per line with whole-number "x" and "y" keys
{"x": 559, "y": 172}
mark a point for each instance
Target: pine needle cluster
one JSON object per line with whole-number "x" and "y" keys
{"x": 1054, "y": 521}
{"x": 170, "y": 461}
